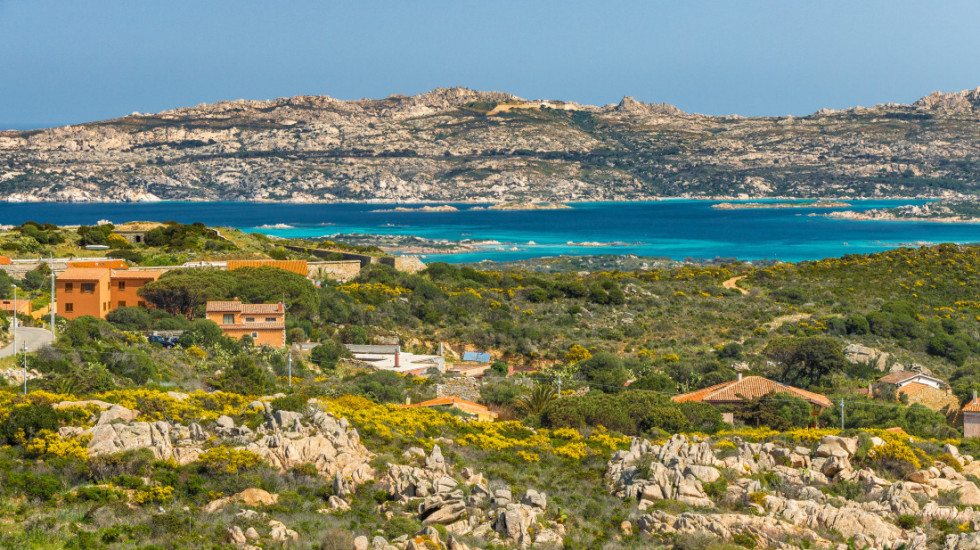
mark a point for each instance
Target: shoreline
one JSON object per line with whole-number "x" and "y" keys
{"x": 862, "y": 217}
{"x": 481, "y": 202}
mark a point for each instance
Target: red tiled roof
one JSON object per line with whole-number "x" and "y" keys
{"x": 461, "y": 404}
{"x": 749, "y": 387}
{"x": 235, "y": 305}
{"x": 135, "y": 274}
{"x": 972, "y": 406}
{"x": 262, "y": 308}
{"x": 84, "y": 274}
{"x": 896, "y": 377}
{"x": 119, "y": 264}
{"x": 232, "y": 305}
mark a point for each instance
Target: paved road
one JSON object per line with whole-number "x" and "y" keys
{"x": 35, "y": 338}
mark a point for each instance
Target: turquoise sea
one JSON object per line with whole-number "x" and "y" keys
{"x": 673, "y": 228}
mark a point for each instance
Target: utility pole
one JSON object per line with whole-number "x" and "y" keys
{"x": 842, "y": 413}
{"x": 289, "y": 367}
{"x": 25, "y": 368}
{"x": 54, "y": 305}
{"x": 15, "y": 319}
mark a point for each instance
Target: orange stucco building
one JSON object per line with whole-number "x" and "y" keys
{"x": 264, "y": 323}
{"x": 22, "y": 307}
{"x": 96, "y": 291}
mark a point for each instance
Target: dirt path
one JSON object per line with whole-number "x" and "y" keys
{"x": 794, "y": 318}
{"x": 730, "y": 283}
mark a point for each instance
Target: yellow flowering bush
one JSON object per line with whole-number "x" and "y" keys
{"x": 197, "y": 406}
{"x": 154, "y": 495}
{"x": 895, "y": 450}
{"x": 226, "y": 460}
{"x": 567, "y": 433}
{"x": 575, "y": 451}
{"x": 577, "y": 353}
{"x": 49, "y": 444}
{"x": 602, "y": 438}
{"x": 528, "y": 457}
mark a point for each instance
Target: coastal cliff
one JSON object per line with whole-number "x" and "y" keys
{"x": 456, "y": 144}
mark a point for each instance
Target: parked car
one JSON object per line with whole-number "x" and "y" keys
{"x": 165, "y": 341}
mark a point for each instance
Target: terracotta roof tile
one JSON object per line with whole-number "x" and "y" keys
{"x": 896, "y": 377}
{"x": 461, "y": 404}
{"x": 749, "y": 387}
{"x": 972, "y": 406}
{"x": 135, "y": 274}
{"x": 262, "y": 308}
{"x": 84, "y": 274}
{"x": 231, "y": 305}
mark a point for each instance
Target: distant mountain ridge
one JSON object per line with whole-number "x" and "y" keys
{"x": 456, "y": 144}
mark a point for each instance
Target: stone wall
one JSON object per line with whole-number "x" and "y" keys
{"x": 343, "y": 270}
{"x": 462, "y": 387}
{"x": 409, "y": 264}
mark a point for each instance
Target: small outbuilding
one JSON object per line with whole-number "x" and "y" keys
{"x": 468, "y": 407}
{"x": 747, "y": 388}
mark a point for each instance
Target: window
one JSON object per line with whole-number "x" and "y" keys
{"x": 105, "y": 306}
{"x": 122, "y": 285}
{"x": 88, "y": 287}
{"x": 122, "y": 303}
{"x": 270, "y": 319}
{"x": 69, "y": 308}
{"x": 255, "y": 335}
{"x": 69, "y": 287}
{"x": 250, "y": 319}
{"x": 228, "y": 319}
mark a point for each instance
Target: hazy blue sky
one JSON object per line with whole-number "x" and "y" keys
{"x": 68, "y": 61}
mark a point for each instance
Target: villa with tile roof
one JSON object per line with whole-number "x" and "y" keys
{"x": 747, "y": 388}
{"x": 971, "y": 417}
{"x": 96, "y": 291}
{"x": 922, "y": 389}
{"x": 264, "y": 323}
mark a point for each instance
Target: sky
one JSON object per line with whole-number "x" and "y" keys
{"x": 65, "y": 62}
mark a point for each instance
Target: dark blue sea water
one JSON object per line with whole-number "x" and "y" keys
{"x": 674, "y": 228}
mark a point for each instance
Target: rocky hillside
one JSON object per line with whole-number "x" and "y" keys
{"x": 457, "y": 144}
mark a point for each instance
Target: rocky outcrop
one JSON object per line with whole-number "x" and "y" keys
{"x": 287, "y": 439}
{"x": 858, "y": 354}
{"x": 454, "y": 144}
{"x": 784, "y": 486}
{"x": 494, "y": 515}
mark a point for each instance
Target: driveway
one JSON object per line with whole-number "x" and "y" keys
{"x": 36, "y": 338}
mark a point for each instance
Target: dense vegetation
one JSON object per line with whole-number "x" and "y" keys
{"x": 620, "y": 342}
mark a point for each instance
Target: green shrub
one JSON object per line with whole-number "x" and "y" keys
{"x": 907, "y": 521}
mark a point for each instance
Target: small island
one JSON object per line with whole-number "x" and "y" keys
{"x": 525, "y": 206}
{"x": 943, "y": 211}
{"x": 767, "y": 205}
{"x": 443, "y": 208}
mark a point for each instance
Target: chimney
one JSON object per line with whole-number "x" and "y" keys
{"x": 440, "y": 349}
{"x": 397, "y": 362}
{"x": 974, "y": 396}
{"x": 738, "y": 376}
